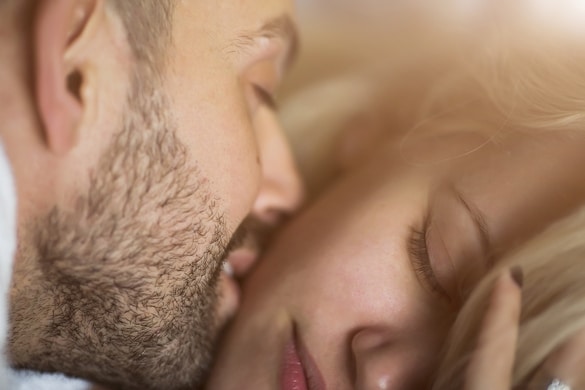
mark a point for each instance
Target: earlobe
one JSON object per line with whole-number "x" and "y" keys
{"x": 58, "y": 79}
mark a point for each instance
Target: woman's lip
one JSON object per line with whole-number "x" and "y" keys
{"x": 312, "y": 373}
{"x": 293, "y": 373}
{"x": 299, "y": 371}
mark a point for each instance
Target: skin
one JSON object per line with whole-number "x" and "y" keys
{"x": 131, "y": 186}
{"x": 341, "y": 278}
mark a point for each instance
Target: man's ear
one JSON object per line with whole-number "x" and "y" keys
{"x": 60, "y": 27}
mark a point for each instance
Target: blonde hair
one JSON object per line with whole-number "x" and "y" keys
{"x": 517, "y": 75}
{"x": 441, "y": 69}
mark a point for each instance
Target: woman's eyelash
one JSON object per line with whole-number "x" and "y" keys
{"x": 266, "y": 97}
{"x": 418, "y": 250}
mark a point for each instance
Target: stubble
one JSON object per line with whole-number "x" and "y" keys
{"x": 123, "y": 285}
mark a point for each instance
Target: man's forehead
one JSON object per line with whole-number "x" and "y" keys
{"x": 235, "y": 26}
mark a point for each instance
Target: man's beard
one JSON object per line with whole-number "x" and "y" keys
{"x": 121, "y": 289}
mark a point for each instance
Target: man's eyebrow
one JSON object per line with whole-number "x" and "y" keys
{"x": 479, "y": 220}
{"x": 281, "y": 27}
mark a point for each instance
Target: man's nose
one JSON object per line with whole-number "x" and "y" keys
{"x": 281, "y": 190}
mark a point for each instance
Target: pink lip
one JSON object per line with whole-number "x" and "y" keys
{"x": 242, "y": 261}
{"x": 293, "y": 373}
{"x": 299, "y": 371}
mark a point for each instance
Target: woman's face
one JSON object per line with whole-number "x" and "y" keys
{"x": 360, "y": 290}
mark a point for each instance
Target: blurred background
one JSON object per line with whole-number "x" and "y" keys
{"x": 356, "y": 55}
{"x": 353, "y": 52}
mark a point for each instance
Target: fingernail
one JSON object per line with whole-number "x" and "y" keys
{"x": 517, "y": 276}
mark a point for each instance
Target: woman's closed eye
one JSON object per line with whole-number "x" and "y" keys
{"x": 418, "y": 249}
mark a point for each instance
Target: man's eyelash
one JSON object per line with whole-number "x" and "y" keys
{"x": 419, "y": 254}
{"x": 266, "y": 97}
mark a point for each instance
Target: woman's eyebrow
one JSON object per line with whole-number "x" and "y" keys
{"x": 281, "y": 27}
{"x": 479, "y": 221}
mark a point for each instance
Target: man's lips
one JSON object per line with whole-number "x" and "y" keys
{"x": 241, "y": 261}
{"x": 299, "y": 371}
{"x": 228, "y": 298}
{"x": 237, "y": 265}
{"x": 244, "y": 250}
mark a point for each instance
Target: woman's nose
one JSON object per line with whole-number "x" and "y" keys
{"x": 383, "y": 362}
{"x": 370, "y": 348}
{"x": 384, "y": 359}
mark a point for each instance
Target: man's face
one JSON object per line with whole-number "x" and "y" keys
{"x": 121, "y": 286}
{"x": 227, "y": 56}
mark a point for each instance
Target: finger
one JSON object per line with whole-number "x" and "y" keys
{"x": 565, "y": 364}
{"x": 493, "y": 361}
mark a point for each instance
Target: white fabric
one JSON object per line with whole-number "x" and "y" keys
{"x": 9, "y": 379}
{"x": 26, "y": 380}
{"x": 7, "y": 248}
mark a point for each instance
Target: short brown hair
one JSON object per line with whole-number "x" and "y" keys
{"x": 148, "y": 24}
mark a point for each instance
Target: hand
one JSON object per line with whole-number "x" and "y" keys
{"x": 492, "y": 363}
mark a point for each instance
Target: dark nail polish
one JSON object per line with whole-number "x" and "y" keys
{"x": 517, "y": 275}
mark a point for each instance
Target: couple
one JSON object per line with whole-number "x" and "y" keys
{"x": 122, "y": 234}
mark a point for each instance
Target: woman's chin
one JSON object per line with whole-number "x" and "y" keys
{"x": 250, "y": 352}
